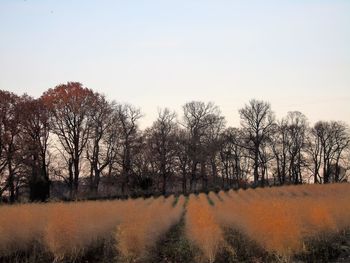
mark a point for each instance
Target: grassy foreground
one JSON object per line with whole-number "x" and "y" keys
{"x": 286, "y": 224}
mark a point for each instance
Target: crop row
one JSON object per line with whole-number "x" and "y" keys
{"x": 277, "y": 219}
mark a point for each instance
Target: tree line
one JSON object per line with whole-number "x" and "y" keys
{"x": 74, "y": 135}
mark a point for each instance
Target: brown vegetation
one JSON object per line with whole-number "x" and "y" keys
{"x": 280, "y": 221}
{"x": 144, "y": 224}
{"x": 201, "y": 226}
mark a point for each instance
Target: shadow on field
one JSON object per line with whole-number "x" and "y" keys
{"x": 323, "y": 248}
{"x": 327, "y": 248}
{"x": 174, "y": 247}
{"x": 239, "y": 248}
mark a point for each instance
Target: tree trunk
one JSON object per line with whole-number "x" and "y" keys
{"x": 11, "y": 182}
{"x": 204, "y": 177}
{"x": 193, "y": 176}
{"x": 184, "y": 181}
{"x": 164, "y": 183}
{"x": 256, "y": 165}
{"x": 70, "y": 179}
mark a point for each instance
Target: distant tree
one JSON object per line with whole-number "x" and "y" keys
{"x": 232, "y": 157}
{"x": 257, "y": 120}
{"x": 200, "y": 120}
{"x": 314, "y": 151}
{"x": 142, "y": 177}
{"x": 212, "y": 140}
{"x": 70, "y": 113}
{"x": 182, "y": 157}
{"x": 342, "y": 147}
{"x": 34, "y": 119}
{"x": 161, "y": 141}
{"x": 333, "y": 139}
{"x": 101, "y": 148}
{"x": 265, "y": 159}
{"x": 4, "y": 96}
{"x": 103, "y": 140}
{"x": 9, "y": 142}
{"x": 127, "y": 117}
{"x": 280, "y": 144}
{"x": 288, "y": 145}
{"x": 297, "y": 128}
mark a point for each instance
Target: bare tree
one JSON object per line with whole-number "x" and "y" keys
{"x": 232, "y": 157}
{"x": 212, "y": 147}
{"x": 329, "y": 143}
{"x": 35, "y": 134}
{"x": 101, "y": 147}
{"x": 342, "y": 145}
{"x": 182, "y": 157}
{"x": 297, "y": 128}
{"x": 257, "y": 119}
{"x": 161, "y": 140}
{"x": 9, "y": 142}
{"x": 200, "y": 119}
{"x": 102, "y": 138}
{"x": 69, "y": 106}
{"x": 127, "y": 117}
{"x": 4, "y": 107}
{"x": 279, "y": 145}
{"x": 314, "y": 151}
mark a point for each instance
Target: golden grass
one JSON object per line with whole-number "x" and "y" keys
{"x": 143, "y": 225}
{"x": 21, "y": 226}
{"x": 75, "y": 227}
{"x": 201, "y": 226}
{"x": 280, "y": 219}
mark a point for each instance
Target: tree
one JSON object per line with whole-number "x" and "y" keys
{"x": 297, "y": 128}
{"x": 288, "y": 145}
{"x": 314, "y": 150}
{"x": 34, "y": 119}
{"x": 103, "y": 139}
{"x": 200, "y": 120}
{"x": 161, "y": 141}
{"x": 70, "y": 112}
{"x": 332, "y": 140}
{"x": 182, "y": 157}
{"x": 127, "y": 117}
{"x": 101, "y": 148}
{"x": 3, "y": 160}
{"x": 9, "y": 138}
{"x": 232, "y": 157}
{"x": 342, "y": 142}
{"x": 257, "y": 120}
{"x": 280, "y": 144}
{"x": 212, "y": 147}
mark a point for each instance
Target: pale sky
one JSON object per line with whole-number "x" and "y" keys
{"x": 294, "y": 54}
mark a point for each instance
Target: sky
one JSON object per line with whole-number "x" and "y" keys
{"x": 153, "y": 54}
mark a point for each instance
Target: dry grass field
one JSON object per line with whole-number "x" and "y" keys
{"x": 308, "y": 223}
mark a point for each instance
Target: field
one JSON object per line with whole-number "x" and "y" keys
{"x": 307, "y": 223}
